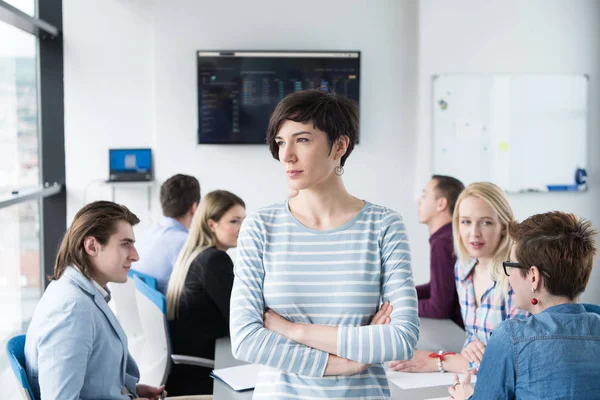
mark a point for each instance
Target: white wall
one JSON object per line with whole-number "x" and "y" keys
{"x": 133, "y": 82}
{"x": 534, "y": 36}
{"x": 130, "y": 81}
{"x": 385, "y": 34}
{"x": 108, "y": 79}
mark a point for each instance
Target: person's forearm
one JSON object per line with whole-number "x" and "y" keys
{"x": 320, "y": 337}
{"x": 455, "y": 363}
{"x": 325, "y": 339}
{"x": 336, "y": 365}
{"x": 342, "y": 366}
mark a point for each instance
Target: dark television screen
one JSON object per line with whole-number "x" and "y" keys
{"x": 238, "y": 91}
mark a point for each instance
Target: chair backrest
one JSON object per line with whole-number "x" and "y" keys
{"x": 148, "y": 280}
{"x": 15, "y": 350}
{"x": 124, "y": 304}
{"x": 155, "y": 361}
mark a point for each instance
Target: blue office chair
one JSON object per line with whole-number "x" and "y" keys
{"x": 149, "y": 280}
{"x": 156, "y": 357}
{"x": 15, "y": 350}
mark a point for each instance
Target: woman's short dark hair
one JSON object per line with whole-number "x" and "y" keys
{"x": 331, "y": 113}
{"x": 560, "y": 244}
{"x": 99, "y": 220}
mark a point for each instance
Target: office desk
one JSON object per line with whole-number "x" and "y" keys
{"x": 224, "y": 359}
{"x": 434, "y": 335}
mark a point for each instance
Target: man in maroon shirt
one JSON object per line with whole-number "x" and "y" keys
{"x": 438, "y": 298}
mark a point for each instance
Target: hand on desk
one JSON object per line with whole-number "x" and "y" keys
{"x": 421, "y": 362}
{"x": 473, "y": 351}
{"x": 462, "y": 390}
{"x": 150, "y": 392}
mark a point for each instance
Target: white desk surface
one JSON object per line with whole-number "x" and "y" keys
{"x": 434, "y": 334}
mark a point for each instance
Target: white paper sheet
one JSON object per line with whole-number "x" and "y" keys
{"x": 414, "y": 380}
{"x": 243, "y": 377}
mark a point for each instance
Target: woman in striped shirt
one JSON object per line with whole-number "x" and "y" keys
{"x": 481, "y": 243}
{"x": 312, "y": 272}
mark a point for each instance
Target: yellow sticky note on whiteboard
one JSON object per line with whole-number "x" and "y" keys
{"x": 503, "y": 146}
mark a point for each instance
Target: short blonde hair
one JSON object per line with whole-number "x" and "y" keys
{"x": 498, "y": 201}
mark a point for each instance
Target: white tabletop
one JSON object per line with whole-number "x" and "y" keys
{"x": 434, "y": 335}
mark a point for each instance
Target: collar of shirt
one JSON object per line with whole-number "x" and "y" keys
{"x": 443, "y": 231}
{"x": 464, "y": 270}
{"x": 103, "y": 291}
{"x": 566, "y": 309}
{"x": 169, "y": 222}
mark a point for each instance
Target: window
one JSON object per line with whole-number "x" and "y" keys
{"x": 19, "y": 152}
{"x": 27, "y": 6}
{"x": 32, "y": 207}
{"x": 20, "y": 269}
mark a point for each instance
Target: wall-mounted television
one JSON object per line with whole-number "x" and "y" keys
{"x": 238, "y": 90}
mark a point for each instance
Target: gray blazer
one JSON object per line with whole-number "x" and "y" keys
{"x": 75, "y": 347}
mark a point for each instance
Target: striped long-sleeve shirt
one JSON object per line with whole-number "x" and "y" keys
{"x": 336, "y": 277}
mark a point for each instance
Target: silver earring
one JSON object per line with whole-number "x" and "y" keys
{"x": 339, "y": 171}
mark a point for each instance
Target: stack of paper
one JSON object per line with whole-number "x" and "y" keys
{"x": 243, "y": 377}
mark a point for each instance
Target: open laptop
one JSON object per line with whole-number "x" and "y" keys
{"x": 130, "y": 165}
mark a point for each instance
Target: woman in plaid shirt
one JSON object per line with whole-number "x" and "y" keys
{"x": 481, "y": 243}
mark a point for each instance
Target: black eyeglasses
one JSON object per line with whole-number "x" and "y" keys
{"x": 509, "y": 264}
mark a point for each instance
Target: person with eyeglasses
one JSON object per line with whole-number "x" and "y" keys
{"x": 553, "y": 354}
{"x": 481, "y": 242}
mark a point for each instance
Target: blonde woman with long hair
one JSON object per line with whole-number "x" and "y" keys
{"x": 481, "y": 243}
{"x": 200, "y": 288}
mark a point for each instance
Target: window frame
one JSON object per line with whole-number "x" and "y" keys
{"x": 47, "y": 27}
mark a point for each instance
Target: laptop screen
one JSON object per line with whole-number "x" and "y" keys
{"x": 130, "y": 160}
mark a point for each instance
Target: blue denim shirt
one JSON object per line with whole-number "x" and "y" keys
{"x": 551, "y": 355}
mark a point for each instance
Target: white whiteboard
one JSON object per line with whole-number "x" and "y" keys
{"x": 522, "y": 132}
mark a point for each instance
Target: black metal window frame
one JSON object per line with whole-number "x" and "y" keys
{"x": 47, "y": 27}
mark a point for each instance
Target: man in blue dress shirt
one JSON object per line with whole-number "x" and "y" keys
{"x": 159, "y": 247}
